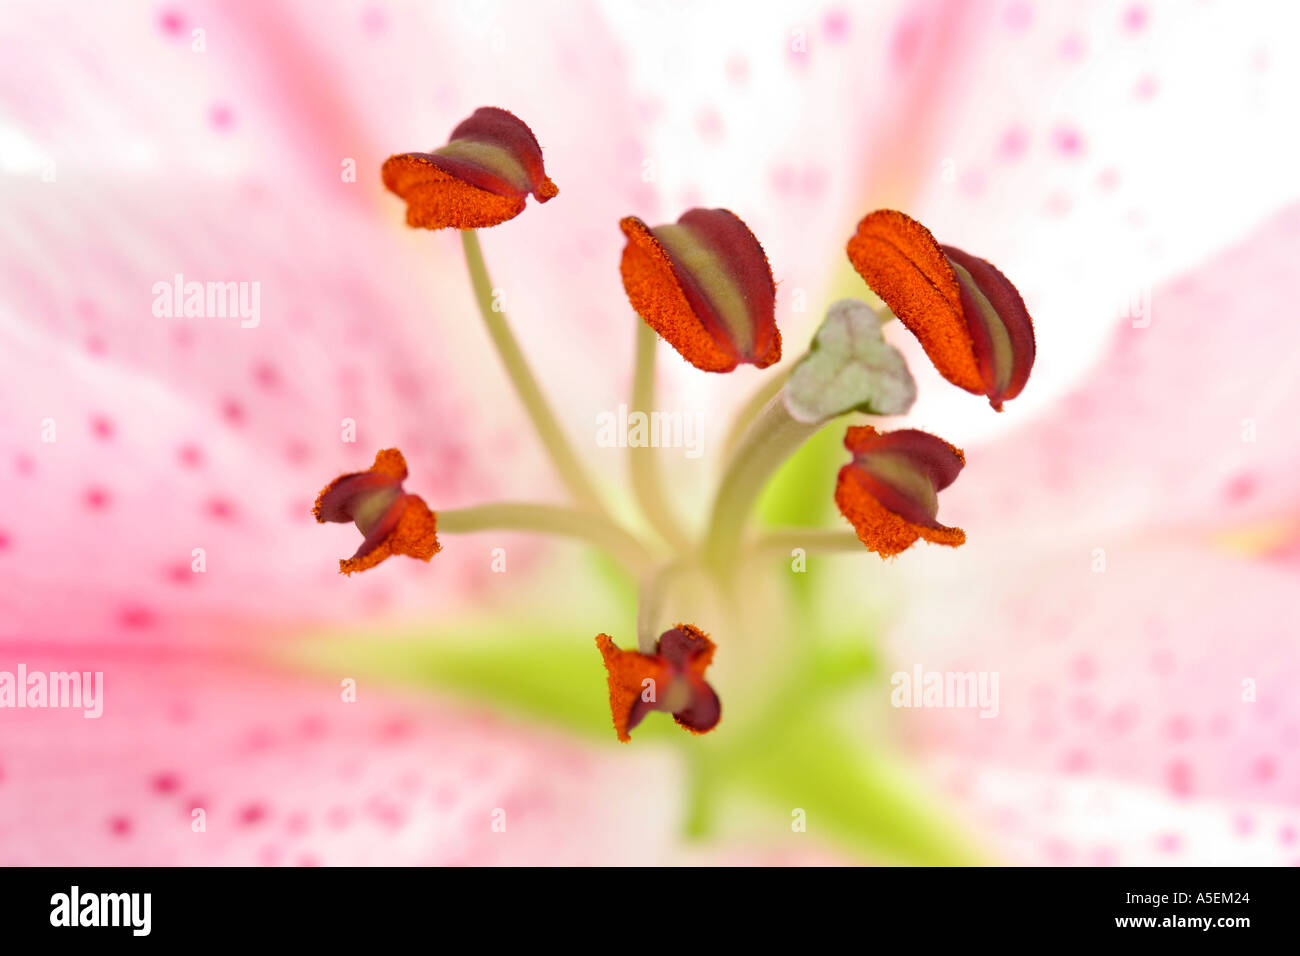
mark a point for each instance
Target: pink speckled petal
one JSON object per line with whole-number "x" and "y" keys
{"x": 174, "y": 433}
{"x": 302, "y": 778}
{"x": 1187, "y": 423}
{"x": 1157, "y": 693}
{"x": 1122, "y": 580}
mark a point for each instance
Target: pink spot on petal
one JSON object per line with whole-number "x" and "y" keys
{"x": 120, "y": 826}
{"x": 1179, "y": 777}
{"x": 836, "y": 25}
{"x": 1076, "y": 761}
{"x": 1072, "y": 47}
{"x": 1162, "y": 663}
{"x": 1018, "y": 16}
{"x": 397, "y": 729}
{"x": 1178, "y": 729}
{"x": 812, "y": 181}
{"x": 269, "y": 855}
{"x": 165, "y": 783}
{"x": 97, "y": 499}
{"x": 972, "y": 182}
{"x": 221, "y": 117}
{"x": 1121, "y": 721}
{"x": 1013, "y": 143}
{"x": 220, "y": 509}
{"x": 1067, "y": 140}
{"x": 258, "y": 739}
{"x": 374, "y": 21}
{"x": 1135, "y": 18}
{"x": 906, "y": 42}
{"x": 190, "y": 455}
{"x": 171, "y": 22}
{"x": 266, "y": 375}
{"x": 709, "y": 123}
{"x": 387, "y": 813}
{"x": 338, "y": 818}
{"x": 296, "y": 453}
{"x": 1169, "y": 843}
{"x": 1240, "y": 488}
{"x": 102, "y": 427}
{"x": 136, "y": 616}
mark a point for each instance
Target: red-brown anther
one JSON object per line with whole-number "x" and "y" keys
{"x": 480, "y": 178}
{"x": 889, "y": 492}
{"x": 967, "y": 315}
{"x": 671, "y": 680}
{"x": 704, "y": 284}
{"x": 392, "y": 521}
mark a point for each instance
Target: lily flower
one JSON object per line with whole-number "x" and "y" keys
{"x": 392, "y": 521}
{"x": 481, "y": 178}
{"x": 889, "y": 492}
{"x": 670, "y": 680}
{"x": 1131, "y": 580}
{"x": 704, "y": 284}
{"x": 968, "y": 317}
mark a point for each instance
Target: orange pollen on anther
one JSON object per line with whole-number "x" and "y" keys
{"x": 878, "y": 528}
{"x": 656, "y": 295}
{"x": 627, "y": 672}
{"x": 438, "y": 200}
{"x": 902, "y": 263}
{"x": 415, "y": 536}
{"x": 392, "y": 521}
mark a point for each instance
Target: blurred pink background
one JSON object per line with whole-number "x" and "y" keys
{"x": 1131, "y": 166}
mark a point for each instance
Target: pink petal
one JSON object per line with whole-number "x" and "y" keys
{"x": 176, "y": 434}
{"x": 1188, "y": 422}
{"x": 288, "y": 774}
{"x": 1158, "y": 690}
